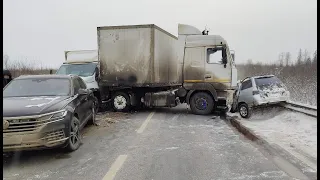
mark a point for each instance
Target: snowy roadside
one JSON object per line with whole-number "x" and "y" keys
{"x": 294, "y": 132}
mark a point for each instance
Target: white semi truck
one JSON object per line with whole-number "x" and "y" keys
{"x": 143, "y": 65}
{"x": 83, "y": 63}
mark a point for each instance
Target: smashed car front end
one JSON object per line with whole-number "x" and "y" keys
{"x": 36, "y": 132}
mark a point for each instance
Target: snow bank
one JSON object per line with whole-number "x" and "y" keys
{"x": 295, "y": 132}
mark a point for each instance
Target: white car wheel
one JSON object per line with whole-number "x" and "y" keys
{"x": 244, "y": 110}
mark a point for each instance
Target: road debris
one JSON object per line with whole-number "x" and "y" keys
{"x": 104, "y": 120}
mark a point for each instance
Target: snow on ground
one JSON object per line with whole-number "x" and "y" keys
{"x": 301, "y": 104}
{"x": 295, "y": 132}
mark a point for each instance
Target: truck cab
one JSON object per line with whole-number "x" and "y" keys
{"x": 208, "y": 62}
{"x": 83, "y": 63}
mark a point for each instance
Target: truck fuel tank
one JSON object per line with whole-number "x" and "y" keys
{"x": 161, "y": 99}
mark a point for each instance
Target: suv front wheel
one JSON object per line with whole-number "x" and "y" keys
{"x": 74, "y": 140}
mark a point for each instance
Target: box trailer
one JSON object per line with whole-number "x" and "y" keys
{"x": 142, "y": 55}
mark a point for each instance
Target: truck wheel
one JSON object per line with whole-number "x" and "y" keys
{"x": 244, "y": 110}
{"x": 121, "y": 102}
{"x": 201, "y": 103}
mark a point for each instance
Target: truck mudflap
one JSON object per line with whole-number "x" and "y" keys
{"x": 222, "y": 104}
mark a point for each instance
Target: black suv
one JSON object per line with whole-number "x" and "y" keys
{"x": 46, "y": 111}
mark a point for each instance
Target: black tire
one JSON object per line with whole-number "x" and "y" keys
{"x": 244, "y": 110}
{"x": 97, "y": 104}
{"x": 92, "y": 121}
{"x": 120, "y": 102}
{"x": 201, "y": 103}
{"x": 74, "y": 141}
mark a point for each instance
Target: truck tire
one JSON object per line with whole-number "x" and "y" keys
{"x": 201, "y": 103}
{"x": 120, "y": 102}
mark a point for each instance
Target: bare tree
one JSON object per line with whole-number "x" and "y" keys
{"x": 281, "y": 58}
{"x": 287, "y": 58}
{"x": 6, "y": 61}
{"x": 306, "y": 55}
{"x": 314, "y": 59}
{"x": 299, "y": 59}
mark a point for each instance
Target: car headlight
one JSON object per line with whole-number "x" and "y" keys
{"x": 54, "y": 115}
{"x": 59, "y": 114}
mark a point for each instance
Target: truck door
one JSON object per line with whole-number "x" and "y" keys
{"x": 194, "y": 65}
{"x": 217, "y": 72}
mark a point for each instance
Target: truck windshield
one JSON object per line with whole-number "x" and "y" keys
{"x": 37, "y": 87}
{"x": 83, "y": 70}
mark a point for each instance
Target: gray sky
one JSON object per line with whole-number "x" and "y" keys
{"x": 41, "y": 30}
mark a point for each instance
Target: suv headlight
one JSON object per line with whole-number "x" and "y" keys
{"x": 59, "y": 114}
{"x": 54, "y": 115}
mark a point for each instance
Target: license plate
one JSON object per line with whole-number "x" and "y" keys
{"x": 12, "y": 140}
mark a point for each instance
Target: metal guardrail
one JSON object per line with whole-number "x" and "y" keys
{"x": 305, "y": 109}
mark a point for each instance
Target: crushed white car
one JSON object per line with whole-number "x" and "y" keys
{"x": 258, "y": 91}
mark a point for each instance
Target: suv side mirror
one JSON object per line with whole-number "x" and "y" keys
{"x": 83, "y": 91}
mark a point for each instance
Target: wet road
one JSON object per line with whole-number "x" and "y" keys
{"x": 163, "y": 144}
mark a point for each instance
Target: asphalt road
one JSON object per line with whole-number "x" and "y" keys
{"x": 162, "y": 144}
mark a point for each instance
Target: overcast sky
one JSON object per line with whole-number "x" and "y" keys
{"x": 41, "y": 30}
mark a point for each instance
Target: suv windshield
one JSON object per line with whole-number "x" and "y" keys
{"x": 83, "y": 70}
{"x": 37, "y": 87}
{"x": 265, "y": 82}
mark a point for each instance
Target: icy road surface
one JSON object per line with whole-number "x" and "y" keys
{"x": 293, "y": 131}
{"x": 167, "y": 144}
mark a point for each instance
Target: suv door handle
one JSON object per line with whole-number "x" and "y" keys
{"x": 207, "y": 76}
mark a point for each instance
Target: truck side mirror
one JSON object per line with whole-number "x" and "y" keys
{"x": 233, "y": 54}
{"x": 224, "y": 57}
{"x": 51, "y": 71}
